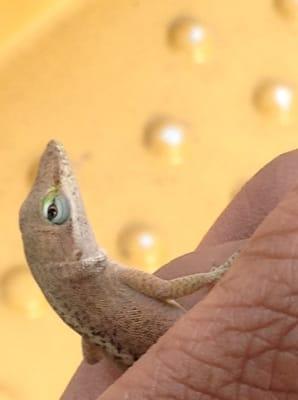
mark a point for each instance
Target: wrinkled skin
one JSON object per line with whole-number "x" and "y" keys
{"x": 240, "y": 341}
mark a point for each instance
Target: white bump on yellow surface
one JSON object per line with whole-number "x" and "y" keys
{"x": 167, "y": 139}
{"x": 288, "y": 8}
{"x": 190, "y": 36}
{"x": 275, "y": 99}
{"x": 141, "y": 245}
{"x": 20, "y": 293}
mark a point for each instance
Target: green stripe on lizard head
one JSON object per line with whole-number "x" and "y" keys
{"x": 55, "y": 207}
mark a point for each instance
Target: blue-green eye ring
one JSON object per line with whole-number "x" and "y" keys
{"x": 55, "y": 208}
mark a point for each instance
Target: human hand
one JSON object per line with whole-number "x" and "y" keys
{"x": 241, "y": 340}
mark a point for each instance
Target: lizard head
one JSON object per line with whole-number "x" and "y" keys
{"x": 54, "y": 226}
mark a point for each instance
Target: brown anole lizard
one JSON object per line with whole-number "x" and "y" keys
{"x": 120, "y": 310}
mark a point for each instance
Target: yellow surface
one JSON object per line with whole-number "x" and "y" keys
{"x": 165, "y": 108}
{"x": 16, "y": 15}
{"x": 19, "y": 18}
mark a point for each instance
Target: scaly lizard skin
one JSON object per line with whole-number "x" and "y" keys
{"x": 121, "y": 310}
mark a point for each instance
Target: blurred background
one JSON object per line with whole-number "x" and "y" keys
{"x": 165, "y": 107}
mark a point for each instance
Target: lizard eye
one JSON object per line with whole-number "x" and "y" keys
{"x": 56, "y": 208}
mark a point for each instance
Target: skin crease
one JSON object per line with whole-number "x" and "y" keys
{"x": 241, "y": 340}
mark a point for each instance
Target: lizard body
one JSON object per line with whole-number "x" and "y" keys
{"x": 121, "y": 310}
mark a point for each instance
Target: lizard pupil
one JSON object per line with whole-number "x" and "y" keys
{"x": 52, "y": 212}
{"x": 56, "y": 208}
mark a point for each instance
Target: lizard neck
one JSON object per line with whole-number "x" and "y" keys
{"x": 56, "y": 276}
{"x": 76, "y": 289}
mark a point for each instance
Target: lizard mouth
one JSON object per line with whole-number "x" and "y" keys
{"x": 54, "y": 166}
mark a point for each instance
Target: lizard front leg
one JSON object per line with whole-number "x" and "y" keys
{"x": 162, "y": 289}
{"x": 92, "y": 352}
